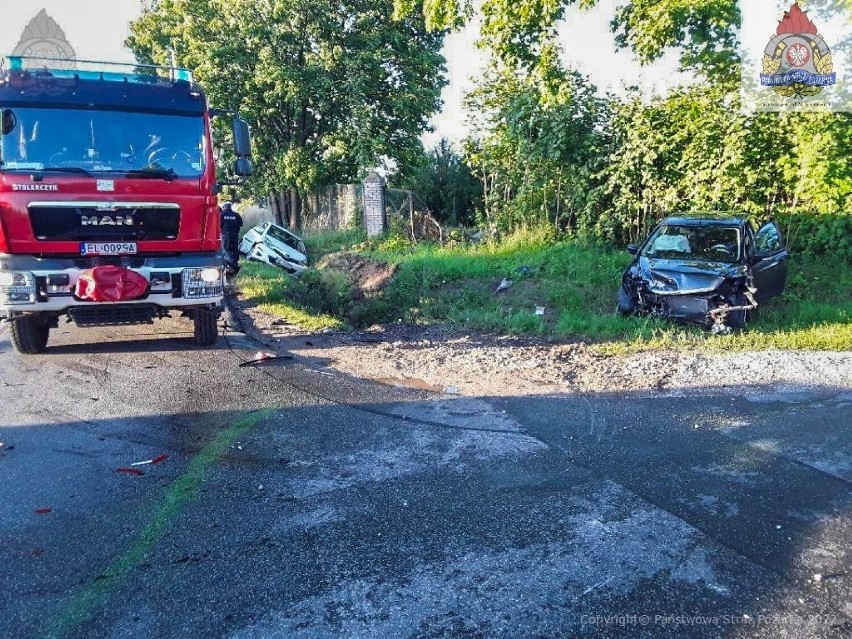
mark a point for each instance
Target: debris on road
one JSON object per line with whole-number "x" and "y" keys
{"x": 262, "y": 356}
{"x": 43, "y": 511}
{"x": 503, "y": 285}
{"x": 318, "y": 372}
{"x": 130, "y": 471}
{"x": 600, "y": 584}
{"x": 156, "y": 460}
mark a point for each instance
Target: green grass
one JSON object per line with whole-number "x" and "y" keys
{"x": 270, "y": 289}
{"x": 319, "y": 244}
{"x": 576, "y": 283}
{"x": 274, "y": 292}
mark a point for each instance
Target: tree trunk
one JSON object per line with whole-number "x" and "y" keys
{"x": 275, "y": 204}
{"x": 295, "y": 210}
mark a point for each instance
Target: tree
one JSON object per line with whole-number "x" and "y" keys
{"x": 539, "y": 137}
{"x": 331, "y": 87}
{"x": 444, "y": 183}
{"x": 546, "y": 149}
{"x": 517, "y": 31}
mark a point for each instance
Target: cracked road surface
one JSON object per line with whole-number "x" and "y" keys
{"x": 299, "y": 502}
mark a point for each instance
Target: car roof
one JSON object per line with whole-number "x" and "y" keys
{"x": 706, "y": 219}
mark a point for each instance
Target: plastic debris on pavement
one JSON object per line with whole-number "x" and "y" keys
{"x": 130, "y": 471}
{"x": 156, "y": 460}
{"x": 262, "y": 356}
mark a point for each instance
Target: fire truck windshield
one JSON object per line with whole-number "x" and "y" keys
{"x": 101, "y": 141}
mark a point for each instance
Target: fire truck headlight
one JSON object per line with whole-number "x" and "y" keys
{"x": 211, "y": 275}
{"x": 17, "y": 288}
{"x": 202, "y": 282}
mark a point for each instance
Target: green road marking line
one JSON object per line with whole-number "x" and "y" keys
{"x": 80, "y": 608}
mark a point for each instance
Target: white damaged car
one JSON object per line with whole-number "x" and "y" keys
{"x": 276, "y": 246}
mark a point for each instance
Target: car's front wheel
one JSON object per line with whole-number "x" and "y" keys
{"x": 626, "y": 302}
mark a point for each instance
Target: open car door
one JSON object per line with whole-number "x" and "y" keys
{"x": 769, "y": 261}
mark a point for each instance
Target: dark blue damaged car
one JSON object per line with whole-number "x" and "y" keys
{"x": 710, "y": 271}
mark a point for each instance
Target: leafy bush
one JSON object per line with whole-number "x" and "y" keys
{"x": 819, "y": 234}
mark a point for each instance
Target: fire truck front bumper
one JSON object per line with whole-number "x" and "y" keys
{"x": 30, "y": 284}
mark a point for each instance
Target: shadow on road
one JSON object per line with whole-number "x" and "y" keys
{"x": 594, "y": 515}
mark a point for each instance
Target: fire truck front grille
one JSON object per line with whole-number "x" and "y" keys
{"x": 93, "y": 222}
{"x": 113, "y": 314}
{"x": 127, "y": 261}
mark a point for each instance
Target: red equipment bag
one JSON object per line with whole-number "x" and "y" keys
{"x": 110, "y": 284}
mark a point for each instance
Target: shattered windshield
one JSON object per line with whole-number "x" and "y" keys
{"x": 281, "y": 235}
{"x": 706, "y": 243}
{"x": 101, "y": 141}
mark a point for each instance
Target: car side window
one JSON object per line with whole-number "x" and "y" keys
{"x": 768, "y": 239}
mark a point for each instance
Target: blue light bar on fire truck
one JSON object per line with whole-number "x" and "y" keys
{"x": 98, "y": 70}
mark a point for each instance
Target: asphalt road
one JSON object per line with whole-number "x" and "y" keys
{"x": 296, "y": 502}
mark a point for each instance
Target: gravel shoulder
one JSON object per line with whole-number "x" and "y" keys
{"x": 451, "y": 361}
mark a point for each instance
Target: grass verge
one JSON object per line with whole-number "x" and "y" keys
{"x": 562, "y": 290}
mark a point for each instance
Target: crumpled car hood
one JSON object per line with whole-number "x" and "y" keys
{"x": 681, "y": 277}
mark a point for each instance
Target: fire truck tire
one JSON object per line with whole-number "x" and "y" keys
{"x": 206, "y": 330}
{"x": 29, "y": 334}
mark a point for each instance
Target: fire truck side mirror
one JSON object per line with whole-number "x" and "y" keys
{"x": 242, "y": 139}
{"x": 242, "y": 167}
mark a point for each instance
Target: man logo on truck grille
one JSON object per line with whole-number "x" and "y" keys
{"x": 106, "y": 220}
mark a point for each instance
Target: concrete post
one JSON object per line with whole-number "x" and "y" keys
{"x": 374, "y": 204}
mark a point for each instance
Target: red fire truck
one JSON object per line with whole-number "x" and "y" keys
{"x": 108, "y": 198}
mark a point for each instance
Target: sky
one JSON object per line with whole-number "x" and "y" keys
{"x": 587, "y": 45}
{"x": 97, "y": 30}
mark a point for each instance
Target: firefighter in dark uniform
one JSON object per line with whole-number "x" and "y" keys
{"x": 231, "y": 223}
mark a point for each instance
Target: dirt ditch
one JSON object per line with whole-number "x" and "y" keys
{"x": 366, "y": 276}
